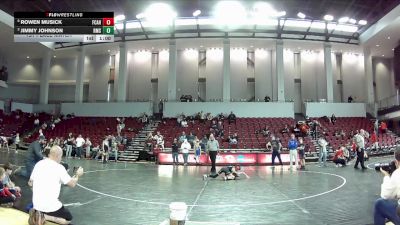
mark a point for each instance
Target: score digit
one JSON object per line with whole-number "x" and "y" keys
{"x": 108, "y": 21}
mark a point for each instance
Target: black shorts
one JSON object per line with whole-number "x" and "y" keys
{"x": 301, "y": 154}
{"x": 61, "y": 213}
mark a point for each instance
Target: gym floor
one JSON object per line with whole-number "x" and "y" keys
{"x": 139, "y": 193}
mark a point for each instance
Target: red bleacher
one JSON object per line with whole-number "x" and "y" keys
{"x": 348, "y": 124}
{"x": 10, "y": 125}
{"x": 96, "y": 128}
{"x": 245, "y": 128}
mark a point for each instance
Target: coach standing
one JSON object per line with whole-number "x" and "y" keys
{"x": 212, "y": 149}
{"x": 360, "y": 142}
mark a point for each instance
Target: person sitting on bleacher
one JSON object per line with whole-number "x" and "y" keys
{"x": 182, "y": 137}
{"x": 285, "y": 130}
{"x": 233, "y": 139}
{"x": 190, "y": 138}
{"x": 383, "y": 127}
{"x": 231, "y": 118}
{"x": 265, "y": 132}
{"x": 333, "y": 119}
{"x": 184, "y": 123}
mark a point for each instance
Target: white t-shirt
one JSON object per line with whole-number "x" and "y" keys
{"x": 47, "y": 177}
{"x": 185, "y": 147}
{"x": 79, "y": 142}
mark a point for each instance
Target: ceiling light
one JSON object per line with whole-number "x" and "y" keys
{"x": 352, "y": 21}
{"x": 236, "y": 16}
{"x": 196, "y": 13}
{"x": 201, "y": 46}
{"x": 328, "y": 17}
{"x": 119, "y": 18}
{"x": 388, "y": 37}
{"x": 159, "y": 14}
{"x": 251, "y": 46}
{"x": 344, "y": 19}
{"x": 377, "y": 45}
{"x": 383, "y": 55}
{"x": 54, "y": 56}
{"x": 108, "y": 50}
{"x": 263, "y": 10}
{"x": 281, "y": 13}
{"x": 27, "y": 57}
{"x": 140, "y": 16}
{"x": 392, "y": 49}
{"x": 362, "y": 22}
{"x": 301, "y": 15}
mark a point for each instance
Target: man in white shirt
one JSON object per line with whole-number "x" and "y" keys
{"x": 79, "y": 145}
{"x": 46, "y": 180}
{"x": 360, "y": 142}
{"x": 387, "y": 206}
{"x": 185, "y": 147}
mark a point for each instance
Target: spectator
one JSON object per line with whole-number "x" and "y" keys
{"x": 185, "y": 147}
{"x": 184, "y": 123}
{"x": 285, "y": 130}
{"x": 204, "y": 142}
{"x": 34, "y": 156}
{"x": 6, "y": 197}
{"x": 182, "y": 137}
{"x": 267, "y": 99}
{"x": 88, "y": 145}
{"x": 7, "y": 181}
{"x": 221, "y": 117}
{"x": 79, "y": 145}
{"x": 197, "y": 150}
{"x": 46, "y": 180}
{"x": 220, "y": 129}
{"x": 333, "y": 119}
{"x": 105, "y": 149}
{"x": 339, "y": 159}
{"x": 265, "y": 132}
{"x": 314, "y": 126}
{"x": 160, "y": 142}
{"x": 70, "y": 142}
{"x": 149, "y": 141}
{"x": 36, "y": 122}
{"x": 202, "y": 117}
{"x": 212, "y": 149}
{"x": 209, "y": 117}
{"x": 322, "y": 143}
{"x": 374, "y": 141}
{"x": 376, "y": 126}
{"x": 350, "y": 99}
{"x": 175, "y": 152}
{"x": 383, "y": 127}
{"x": 386, "y": 207}
{"x": 190, "y": 138}
{"x": 17, "y": 141}
{"x": 231, "y": 118}
{"x": 41, "y": 135}
{"x": 292, "y": 146}
{"x": 276, "y": 147}
{"x": 302, "y": 149}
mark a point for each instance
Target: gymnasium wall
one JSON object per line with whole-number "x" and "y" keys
{"x": 383, "y": 77}
{"x": 112, "y": 109}
{"x": 308, "y": 66}
{"x": 314, "y": 109}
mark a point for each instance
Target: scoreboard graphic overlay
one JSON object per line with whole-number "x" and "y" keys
{"x": 64, "y": 26}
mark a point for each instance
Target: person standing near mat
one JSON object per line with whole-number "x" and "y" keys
{"x": 292, "y": 146}
{"x": 212, "y": 149}
{"x": 360, "y": 143}
{"x": 46, "y": 180}
{"x": 276, "y": 147}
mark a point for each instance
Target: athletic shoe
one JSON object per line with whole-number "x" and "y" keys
{"x": 204, "y": 176}
{"x": 36, "y": 217}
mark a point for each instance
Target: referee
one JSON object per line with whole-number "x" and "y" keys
{"x": 360, "y": 142}
{"x": 212, "y": 149}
